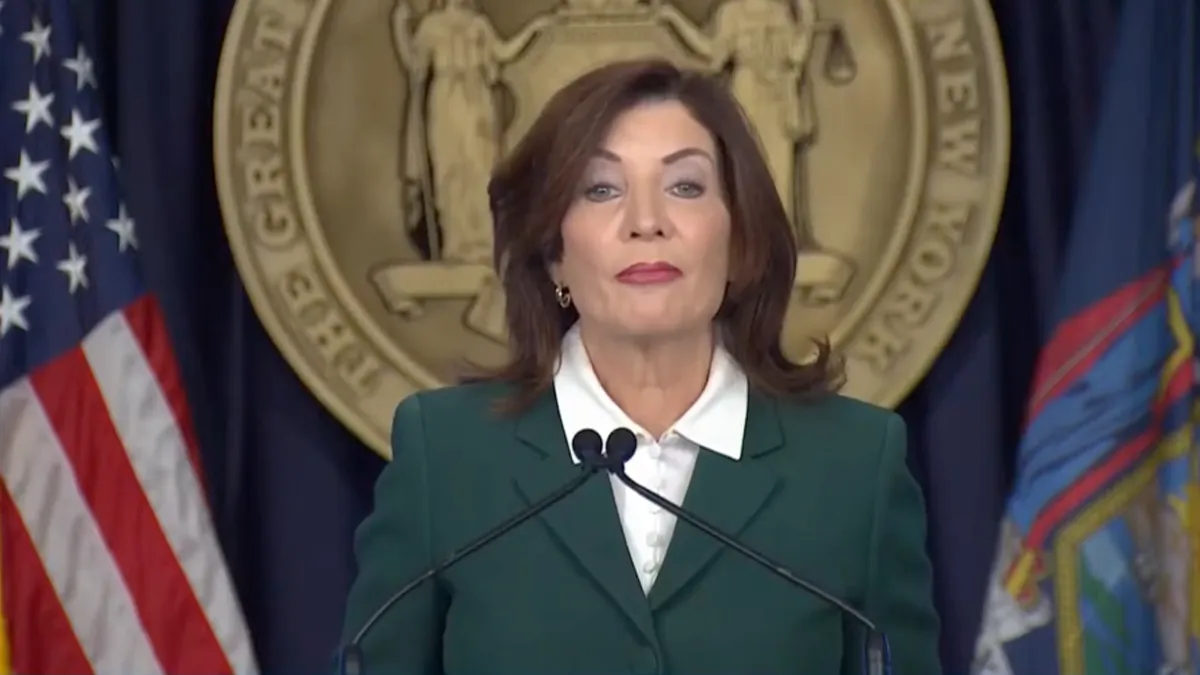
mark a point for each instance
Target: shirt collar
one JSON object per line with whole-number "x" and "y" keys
{"x": 716, "y": 421}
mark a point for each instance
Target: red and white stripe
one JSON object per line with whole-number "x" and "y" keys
{"x": 111, "y": 563}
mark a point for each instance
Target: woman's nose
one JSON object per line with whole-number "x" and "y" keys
{"x": 645, "y": 217}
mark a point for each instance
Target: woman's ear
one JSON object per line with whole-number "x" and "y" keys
{"x": 554, "y": 269}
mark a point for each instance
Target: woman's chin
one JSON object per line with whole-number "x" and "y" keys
{"x": 660, "y": 325}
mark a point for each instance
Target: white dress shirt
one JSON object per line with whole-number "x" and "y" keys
{"x": 716, "y": 421}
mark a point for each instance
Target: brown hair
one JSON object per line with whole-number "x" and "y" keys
{"x": 533, "y": 188}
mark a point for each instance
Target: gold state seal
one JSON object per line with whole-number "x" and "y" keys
{"x": 354, "y": 141}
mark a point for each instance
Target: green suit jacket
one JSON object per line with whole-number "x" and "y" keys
{"x": 821, "y": 488}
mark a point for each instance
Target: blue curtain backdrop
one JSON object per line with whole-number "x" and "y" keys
{"x": 289, "y": 484}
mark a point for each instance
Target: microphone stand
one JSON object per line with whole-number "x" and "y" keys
{"x": 586, "y": 445}
{"x": 620, "y": 448}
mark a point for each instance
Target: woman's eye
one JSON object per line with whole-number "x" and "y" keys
{"x": 600, "y": 192}
{"x": 688, "y": 190}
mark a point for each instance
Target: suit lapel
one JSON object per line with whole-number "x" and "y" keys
{"x": 727, "y": 494}
{"x": 585, "y": 523}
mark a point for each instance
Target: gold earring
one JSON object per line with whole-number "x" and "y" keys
{"x": 562, "y": 295}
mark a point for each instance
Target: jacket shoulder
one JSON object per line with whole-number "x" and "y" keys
{"x": 842, "y": 406}
{"x": 854, "y": 430}
{"x": 459, "y": 403}
{"x": 838, "y": 413}
{"x": 453, "y": 419}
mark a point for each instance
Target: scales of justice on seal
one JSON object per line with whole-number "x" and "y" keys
{"x": 472, "y": 93}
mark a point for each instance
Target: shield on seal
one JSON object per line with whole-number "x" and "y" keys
{"x": 576, "y": 43}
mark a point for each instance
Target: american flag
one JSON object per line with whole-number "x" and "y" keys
{"x": 108, "y": 558}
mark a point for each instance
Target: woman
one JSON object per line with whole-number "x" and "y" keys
{"x": 647, "y": 262}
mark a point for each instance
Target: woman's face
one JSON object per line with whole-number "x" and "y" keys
{"x": 646, "y": 241}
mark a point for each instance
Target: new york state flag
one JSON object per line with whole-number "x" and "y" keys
{"x": 1096, "y": 569}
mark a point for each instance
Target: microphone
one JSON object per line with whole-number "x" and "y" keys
{"x": 620, "y": 447}
{"x": 587, "y": 446}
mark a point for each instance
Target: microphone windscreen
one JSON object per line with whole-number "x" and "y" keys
{"x": 587, "y": 447}
{"x": 620, "y": 446}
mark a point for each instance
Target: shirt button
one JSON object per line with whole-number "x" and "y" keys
{"x": 650, "y": 566}
{"x": 655, "y": 452}
{"x": 654, "y": 539}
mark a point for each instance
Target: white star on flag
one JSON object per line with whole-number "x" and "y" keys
{"x": 81, "y": 134}
{"x": 12, "y": 311}
{"x": 122, "y": 226}
{"x": 39, "y": 39}
{"x": 73, "y": 267}
{"x": 36, "y": 108}
{"x": 76, "y": 200}
{"x": 27, "y": 174}
{"x": 19, "y": 244}
{"x": 84, "y": 69}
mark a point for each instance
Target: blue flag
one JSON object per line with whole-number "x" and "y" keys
{"x": 1096, "y": 568}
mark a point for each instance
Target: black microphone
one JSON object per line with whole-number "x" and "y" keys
{"x": 587, "y": 446}
{"x": 619, "y": 448}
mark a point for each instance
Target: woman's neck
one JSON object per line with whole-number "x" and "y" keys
{"x": 653, "y": 381}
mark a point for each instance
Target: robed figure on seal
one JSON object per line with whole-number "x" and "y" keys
{"x": 767, "y": 50}
{"x": 453, "y": 59}
{"x": 766, "y": 46}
